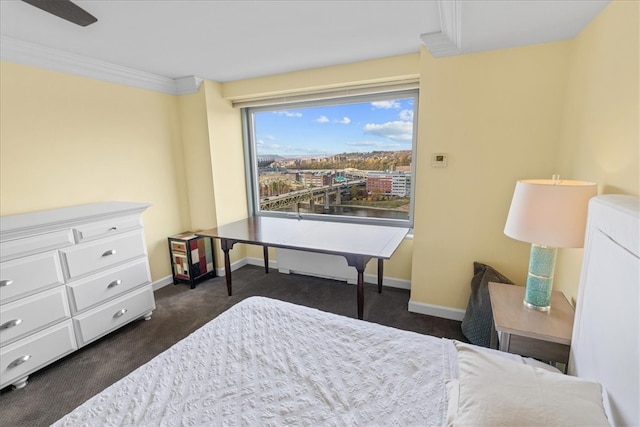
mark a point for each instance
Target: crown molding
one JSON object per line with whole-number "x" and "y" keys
{"x": 448, "y": 41}
{"x": 26, "y": 53}
{"x": 188, "y": 84}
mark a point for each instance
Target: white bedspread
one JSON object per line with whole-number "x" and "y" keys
{"x": 267, "y": 362}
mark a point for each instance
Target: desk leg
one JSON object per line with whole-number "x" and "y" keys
{"x": 359, "y": 262}
{"x": 360, "y": 293}
{"x": 380, "y": 274}
{"x": 227, "y": 245}
{"x": 265, "y": 251}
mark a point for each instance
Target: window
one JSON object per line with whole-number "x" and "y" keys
{"x": 346, "y": 159}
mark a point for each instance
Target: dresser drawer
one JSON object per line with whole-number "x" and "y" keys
{"x": 101, "y": 320}
{"x": 97, "y": 230}
{"x": 25, "y": 276}
{"x": 10, "y": 249}
{"x": 29, "y": 354}
{"x": 31, "y": 314}
{"x": 104, "y": 253}
{"x": 110, "y": 284}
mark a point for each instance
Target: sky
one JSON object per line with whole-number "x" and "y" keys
{"x": 344, "y": 128}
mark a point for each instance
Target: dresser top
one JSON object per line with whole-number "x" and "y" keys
{"x": 13, "y": 226}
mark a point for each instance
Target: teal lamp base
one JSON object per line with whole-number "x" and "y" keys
{"x": 542, "y": 264}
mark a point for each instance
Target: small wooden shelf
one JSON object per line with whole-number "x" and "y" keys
{"x": 192, "y": 259}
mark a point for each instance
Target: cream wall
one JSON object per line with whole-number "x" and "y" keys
{"x": 200, "y": 207}
{"x": 600, "y": 140}
{"x": 227, "y": 155}
{"x": 213, "y": 162}
{"x": 68, "y": 140}
{"x": 569, "y": 107}
{"x": 498, "y": 117}
{"x": 226, "y": 159}
{"x": 395, "y": 69}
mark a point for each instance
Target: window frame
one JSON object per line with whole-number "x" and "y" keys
{"x": 251, "y": 166}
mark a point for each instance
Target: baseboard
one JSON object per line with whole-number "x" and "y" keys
{"x": 260, "y": 262}
{"x": 436, "y": 310}
{"x": 168, "y": 280}
{"x": 234, "y": 266}
{"x": 391, "y": 282}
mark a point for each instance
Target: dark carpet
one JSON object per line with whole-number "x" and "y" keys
{"x": 57, "y": 389}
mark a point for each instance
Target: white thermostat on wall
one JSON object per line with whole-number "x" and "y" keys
{"x": 439, "y": 160}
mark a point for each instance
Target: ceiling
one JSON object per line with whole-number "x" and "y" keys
{"x": 234, "y": 40}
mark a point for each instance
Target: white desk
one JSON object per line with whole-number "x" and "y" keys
{"x": 358, "y": 243}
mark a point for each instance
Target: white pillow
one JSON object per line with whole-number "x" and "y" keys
{"x": 494, "y": 391}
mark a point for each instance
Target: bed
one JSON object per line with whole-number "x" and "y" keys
{"x": 268, "y": 362}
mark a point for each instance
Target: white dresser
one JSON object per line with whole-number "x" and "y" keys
{"x": 68, "y": 277}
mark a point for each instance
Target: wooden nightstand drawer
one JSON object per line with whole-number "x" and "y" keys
{"x": 529, "y": 347}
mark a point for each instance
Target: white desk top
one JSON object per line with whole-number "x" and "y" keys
{"x": 320, "y": 236}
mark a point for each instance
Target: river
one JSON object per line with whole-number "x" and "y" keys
{"x": 359, "y": 211}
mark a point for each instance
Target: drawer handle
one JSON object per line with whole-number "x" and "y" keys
{"x": 114, "y": 283}
{"x": 4, "y": 283}
{"x": 120, "y": 313}
{"x": 10, "y": 324}
{"x": 19, "y": 361}
{"x": 114, "y": 228}
{"x": 109, "y": 252}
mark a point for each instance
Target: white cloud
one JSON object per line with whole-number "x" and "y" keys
{"x": 396, "y": 130}
{"x": 344, "y": 121}
{"x": 267, "y": 138}
{"x": 392, "y": 103}
{"x": 376, "y": 144}
{"x": 288, "y": 113}
{"x": 322, "y": 119}
{"x": 406, "y": 115}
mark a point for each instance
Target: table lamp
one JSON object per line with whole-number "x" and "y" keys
{"x": 549, "y": 214}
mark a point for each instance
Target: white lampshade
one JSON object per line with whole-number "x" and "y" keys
{"x": 550, "y": 212}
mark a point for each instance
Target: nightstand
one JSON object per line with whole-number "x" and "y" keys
{"x": 542, "y": 335}
{"x": 191, "y": 258}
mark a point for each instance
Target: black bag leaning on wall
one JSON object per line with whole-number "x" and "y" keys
{"x": 476, "y": 324}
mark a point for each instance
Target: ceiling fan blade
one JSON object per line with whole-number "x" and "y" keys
{"x": 65, "y": 9}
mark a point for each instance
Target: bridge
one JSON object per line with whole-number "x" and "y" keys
{"x": 310, "y": 195}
